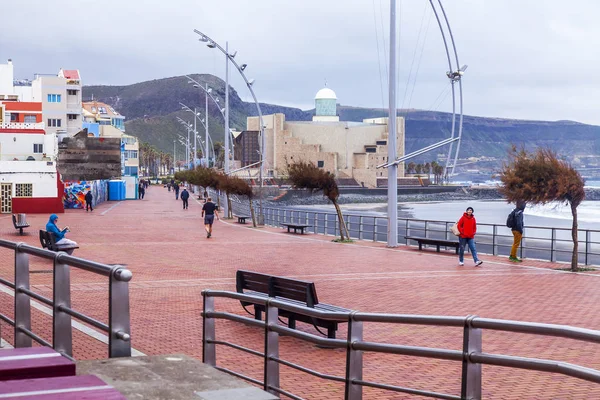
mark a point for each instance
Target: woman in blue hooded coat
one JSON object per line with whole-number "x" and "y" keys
{"x": 58, "y": 233}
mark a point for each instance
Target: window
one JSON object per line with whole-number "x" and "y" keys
{"x": 72, "y": 92}
{"x": 93, "y": 109}
{"x": 14, "y": 117}
{"x": 30, "y": 119}
{"x": 72, "y": 117}
{"x": 130, "y": 154}
{"x": 320, "y": 164}
{"x": 24, "y": 190}
{"x": 54, "y": 98}
{"x": 38, "y": 148}
{"x": 54, "y": 122}
{"x": 102, "y": 110}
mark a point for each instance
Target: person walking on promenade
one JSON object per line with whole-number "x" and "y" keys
{"x": 211, "y": 211}
{"x": 515, "y": 223}
{"x": 176, "y": 187}
{"x": 59, "y": 234}
{"x": 141, "y": 190}
{"x": 88, "y": 201}
{"x": 467, "y": 226}
{"x": 185, "y": 195}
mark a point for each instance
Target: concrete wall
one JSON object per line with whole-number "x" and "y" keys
{"x": 83, "y": 158}
{"x": 6, "y": 78}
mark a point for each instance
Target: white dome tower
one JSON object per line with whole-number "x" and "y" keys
{"x": 326, "y": 105}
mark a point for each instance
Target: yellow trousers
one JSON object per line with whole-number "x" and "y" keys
{"x": 517, "y": 241}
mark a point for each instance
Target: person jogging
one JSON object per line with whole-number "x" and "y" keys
{"x": 209, "y": 212}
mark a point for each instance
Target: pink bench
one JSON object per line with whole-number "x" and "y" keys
{"x": 33, "y": 362}
{"x": 86, "y": 387}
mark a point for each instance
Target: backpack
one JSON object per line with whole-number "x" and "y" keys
{"x": 510, "y": 221}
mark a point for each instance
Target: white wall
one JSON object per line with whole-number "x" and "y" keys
{"x": 38, "y": 173}
{"x": 6, "y": 78}
{"x": 20, "y": 146}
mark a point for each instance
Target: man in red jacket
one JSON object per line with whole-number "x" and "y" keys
{"x": 467, "y": 226}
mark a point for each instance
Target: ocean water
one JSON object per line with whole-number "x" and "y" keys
{"x": 486, "y": 211}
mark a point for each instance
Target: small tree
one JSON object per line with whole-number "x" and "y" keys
{"x": 305, "y": 175}
{"x": 541, "y": 177}
{"x": 240, "y": 187}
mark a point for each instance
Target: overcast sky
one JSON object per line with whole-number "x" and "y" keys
{"x": 527, "y": 59}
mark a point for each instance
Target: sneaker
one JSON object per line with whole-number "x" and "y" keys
{"x": 478, "y": 263}
{"x": 514, "y": 259}
{"x": 207, "y": 235}
{"x": 461, "y": 264}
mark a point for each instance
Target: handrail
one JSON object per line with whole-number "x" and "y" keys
{"x": 471, "y": 356}
{"x": 118, "y": 327}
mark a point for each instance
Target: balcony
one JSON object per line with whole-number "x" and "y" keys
{"x": 22, "y": 125}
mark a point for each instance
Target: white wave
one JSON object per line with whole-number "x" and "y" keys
{"x": 586, "y": 212}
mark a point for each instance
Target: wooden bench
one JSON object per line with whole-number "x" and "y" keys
{"x": 241, "y": 218}
{"x": 292, "y": 291}
{"x": 48, "y": 241}
{"x": 20, "y": 223}
{"x": 33, "y": 362}
{"x": 436, "y": 242}
{"x": 295, "y": 227}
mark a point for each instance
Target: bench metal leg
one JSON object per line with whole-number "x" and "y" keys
{"x": 291, "y": 323}
{"x": 420, "y": 246}
{"x": 331, "y": 332}
{"x": 21, "y": 231}
{"x": 437, "y": 248}
{"x": 456, "y": 249}
{"x": 257, "y": 314}
{"x": 288, "y": 229}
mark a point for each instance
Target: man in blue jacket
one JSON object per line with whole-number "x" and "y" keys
{"x": 59, "y": 234}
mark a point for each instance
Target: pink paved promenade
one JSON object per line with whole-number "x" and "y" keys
{"x": 172, "y": 262}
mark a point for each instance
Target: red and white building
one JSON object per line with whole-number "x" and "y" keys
{"x": 29, "y": 180}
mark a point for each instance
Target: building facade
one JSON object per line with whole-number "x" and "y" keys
{"x": 350, "y": 150}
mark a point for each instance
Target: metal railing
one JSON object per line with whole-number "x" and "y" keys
{"x": 471, "y": 356}
{"x": 118, "y": 327}
{"x": 544, "y": 243}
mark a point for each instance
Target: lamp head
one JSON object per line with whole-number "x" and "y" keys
{"x": 251, "y": 82}
{"x": 212, "y": 45}
{"x": 209, "y": 90}
{"x": 243, "y": 66}
{"x": 196, "y": 86}
{"x": 232, "y": 55}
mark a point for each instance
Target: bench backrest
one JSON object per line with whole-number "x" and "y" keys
{"x": 47, "y": 240}
{"x": 276, "y": 286}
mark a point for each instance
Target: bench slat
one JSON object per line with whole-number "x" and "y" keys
{"x": 33, "y": 362}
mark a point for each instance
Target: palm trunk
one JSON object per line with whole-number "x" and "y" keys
{"x": 574, "y": 260}
{"x": 343, "y": 229}
{"x": 252, "y": 213}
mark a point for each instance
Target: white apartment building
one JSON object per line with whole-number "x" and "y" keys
{"x": 60, "y": 96}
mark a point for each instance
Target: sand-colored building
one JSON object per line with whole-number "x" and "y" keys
{"x": 347, "y": 149}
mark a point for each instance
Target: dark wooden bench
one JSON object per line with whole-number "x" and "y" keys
{"x": 241, "y": 218}
{"x": 48, "y": 241}
{"x": 295, "y": 227}
{"x": 292, "y": 291}
{"x": 20, "y": 223}
{"x": 435, "y": 242}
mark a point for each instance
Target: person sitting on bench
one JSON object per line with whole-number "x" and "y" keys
{"x": 58, "y": 233}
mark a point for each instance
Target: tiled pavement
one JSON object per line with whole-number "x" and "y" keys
{"x": 172, "y": 261}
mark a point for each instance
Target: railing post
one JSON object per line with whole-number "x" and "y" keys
{"x": 588, "y": 239}
{"x": 522, "y": 247}
{"x": 494, "y": 240}
{"x": 62, "y": 335}
{"x": 360, "y": 227}
{"x": 552, "y": 240}
{"x": 354, "y": 360}
{"x": 271, "y": 378}
{"x": 22, "y": 301}
{"x": 471, "y": 372}
{"x": 407, "y": 230}
{"x": 209, "y": 349}
{"x": 119, "y": 335}
{"x": 426, "y": 225}
{"x": 316, "y": 222}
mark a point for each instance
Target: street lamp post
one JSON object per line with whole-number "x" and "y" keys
{"x": 393, "y": 169}
{"x": 230, "y": 57}
{"x": 174, "y": 155}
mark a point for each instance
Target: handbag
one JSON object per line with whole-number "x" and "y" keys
{"x": 454, "y": 229}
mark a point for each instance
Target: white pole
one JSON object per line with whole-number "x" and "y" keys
{"x": 174, "y": 156}
{"x": 187, "y": 149}
{"x": 206, "y": 123}
{"x": 195, "y": 139}
{"x": 226, "y": 107}
{"x": 392, "y": 234}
